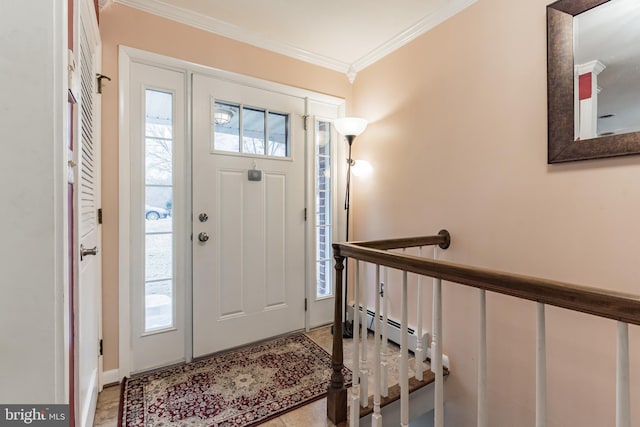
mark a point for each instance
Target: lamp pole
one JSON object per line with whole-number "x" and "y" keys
{"x": 350, "y": 127}
{"x": 347, "y": 326}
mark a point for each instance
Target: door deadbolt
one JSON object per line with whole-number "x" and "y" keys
{"x": 203, "y": 237}
{"x": 203, "y": 217}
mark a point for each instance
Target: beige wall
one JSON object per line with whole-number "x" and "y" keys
{"x": 458, "y": 141}
{"x": 120, "y": 25}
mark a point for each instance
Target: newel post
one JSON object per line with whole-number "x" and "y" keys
{"x": 337, "y": 392}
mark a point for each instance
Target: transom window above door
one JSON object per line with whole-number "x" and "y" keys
{"x": 248, "y": 130}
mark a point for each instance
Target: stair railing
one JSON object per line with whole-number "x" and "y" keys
{"x": 624, "y": 308}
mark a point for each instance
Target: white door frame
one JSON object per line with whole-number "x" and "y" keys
{"x": 126, "y": 56}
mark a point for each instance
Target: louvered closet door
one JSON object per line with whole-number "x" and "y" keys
{"x": 87, "y": 203}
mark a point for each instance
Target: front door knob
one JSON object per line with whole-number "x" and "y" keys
{"x": 203, "y": 237}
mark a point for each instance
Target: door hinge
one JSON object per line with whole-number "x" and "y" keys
{"x": 100, "y": 216}
{"x": 304, "y": 118}
{"x": 305, "y": 304}
{"x": 100, "y": 349}
{"x": 305, "y": 214}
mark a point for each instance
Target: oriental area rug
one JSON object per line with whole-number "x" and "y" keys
{"x": 243, "y": 387}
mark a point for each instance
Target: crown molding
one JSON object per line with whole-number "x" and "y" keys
{"x": 231, "y": 31}
{"x": 213, "y": 25}
{"x": 446, "y": 11}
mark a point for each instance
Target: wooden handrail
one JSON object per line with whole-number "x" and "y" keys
{"x": 598, "y": 302}
{"x": 443, "y": 239}
{"x": 336, "y": 392}
{"x": 619, "y": 306}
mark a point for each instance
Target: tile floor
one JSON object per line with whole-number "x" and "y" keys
{"x": 311, "y": 415}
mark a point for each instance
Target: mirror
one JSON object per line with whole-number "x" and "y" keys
{"x": 586, "y": 68}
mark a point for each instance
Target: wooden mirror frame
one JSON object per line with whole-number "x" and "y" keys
{"x": 560, "y": 93}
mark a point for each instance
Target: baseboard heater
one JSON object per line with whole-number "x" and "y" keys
{"x": 393, "y": 333}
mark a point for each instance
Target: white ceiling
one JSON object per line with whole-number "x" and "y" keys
{"x": 343, "y": 35}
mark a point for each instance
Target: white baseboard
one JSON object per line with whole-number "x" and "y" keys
{"x": 111, "y": 377}
{"x": 393, "y": 334}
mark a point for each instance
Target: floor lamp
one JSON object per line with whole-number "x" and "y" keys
{"x": 349, "y": 127}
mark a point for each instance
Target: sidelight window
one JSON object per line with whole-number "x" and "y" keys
{"x": 324, "y": 217}
{"x": 158, "y": 197}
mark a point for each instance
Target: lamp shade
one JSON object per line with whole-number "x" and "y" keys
{"x": 361, "y": 168}
{"x": 350, "y": 126}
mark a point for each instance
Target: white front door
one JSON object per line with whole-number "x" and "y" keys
{"x": 248, "y": 214}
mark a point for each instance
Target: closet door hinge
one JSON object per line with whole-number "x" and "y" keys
{"x": 100, "y": 216}
{"x": 305, "y": 304}
{"x": 100, "y": 348}
{"x": 304, "y": 121}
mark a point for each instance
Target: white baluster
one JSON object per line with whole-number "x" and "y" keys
{"x": 376, "y": 419}
{"x": 623, "y": 407}
{"x": 483, "y": 416}
{"x": 355, "y": 388}
{"x": 541, "y": 369}
{"x": 419, "y": 354}
{"x": 436, "y": 349}
{"x": 364, "y": 372}
{"x": 384, "y": 364}
{"x": 404, "y": 356}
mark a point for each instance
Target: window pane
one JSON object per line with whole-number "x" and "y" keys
{"x": 158, "y": 161}
{"x": 158, "y": 114}
{"x": 323, "y": 139}
{"x": 159, "y": 256}
{"x": 158, "y": 208}
{"x": 226, "y": 126}
{"x": 323, "y": 173}
{"x": 252, "y": 131}
{"x": 158, "y": 202}
{"x": 158, "y": 305}
{"x": 323, "y": 216}
{"x": 323, "y": 239}
{"x": 278, "y": 135}
{"x": 324, "y": 279}
{"x": 324, "y": 194}
{"x": 234, "y": 122}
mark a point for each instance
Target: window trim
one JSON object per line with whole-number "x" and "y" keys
{"x": 143, "y": 237}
